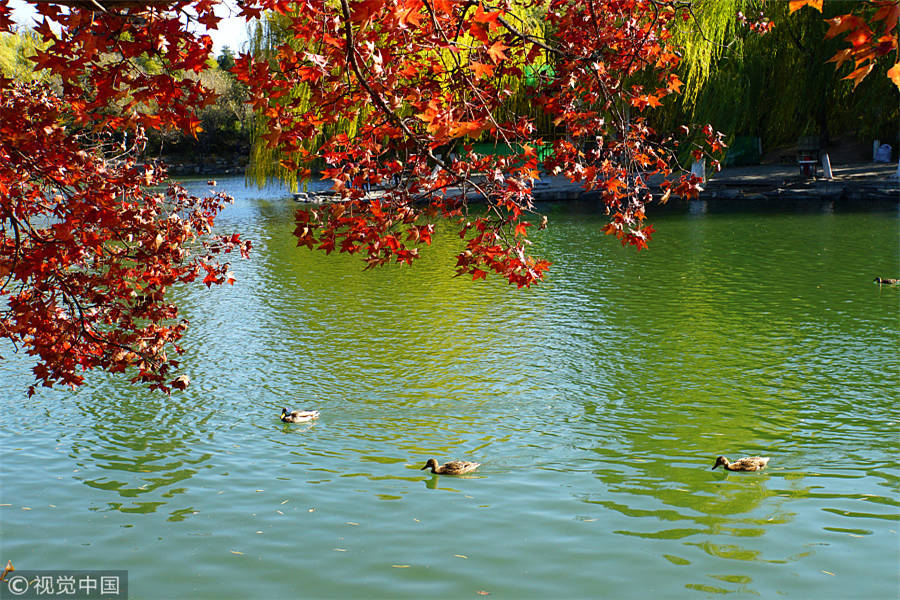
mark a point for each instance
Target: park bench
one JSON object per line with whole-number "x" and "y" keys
{"x": 808, "y": 155}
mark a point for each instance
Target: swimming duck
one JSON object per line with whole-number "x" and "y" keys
{"x": 454, "y": 467}
{"x": 748, "y": 463}
{"x": 887, "y": 280}
{"x": 298, "y": 416}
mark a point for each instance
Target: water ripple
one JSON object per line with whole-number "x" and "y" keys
{"x": 596, "y": 402}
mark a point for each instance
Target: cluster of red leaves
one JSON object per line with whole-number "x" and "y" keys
{"x": 760, "y": 25}
{"x": 426, "y": 78}
{"x": 88, "y": 248}
{"x": 870, "y": 37}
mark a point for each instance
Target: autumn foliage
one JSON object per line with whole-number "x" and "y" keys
{"x": 425, "y": 79}
{"x": 869, "y": 38}
{"x": 89, "y": 246}
{"x": 388, "y": 99}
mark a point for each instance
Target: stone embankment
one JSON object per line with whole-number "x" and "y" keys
{"x": 863, "y": 183}
{"x": 232, "y": 165}
{"x": 764, "y": 186}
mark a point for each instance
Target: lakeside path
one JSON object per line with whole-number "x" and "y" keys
{"x": 854, "y": 183}
{"x": 858, "y": 184}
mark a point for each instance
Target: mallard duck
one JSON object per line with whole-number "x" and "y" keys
{"x": 748, "y": 463}
{"x": 298, "y": 416}
{"x": 887, "y": 280}
{"x": 454, "y": 467}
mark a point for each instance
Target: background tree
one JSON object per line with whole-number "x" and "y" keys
{"x": 779, "y": 83}
{"x": 17, "y": 48}
{"x": 224, "y": 129}
{"x": 225, "y": 60}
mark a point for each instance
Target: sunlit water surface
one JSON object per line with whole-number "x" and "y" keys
{"x": 597, "y": 403}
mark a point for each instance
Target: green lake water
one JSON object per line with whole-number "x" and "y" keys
{"x": 597, "y": 403}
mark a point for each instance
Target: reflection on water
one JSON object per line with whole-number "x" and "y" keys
{"x": 596, "y": 402}
{"x": 137, "y": 449}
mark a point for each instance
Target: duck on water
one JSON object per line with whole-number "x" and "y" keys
{"x": 748, "y": 463}
{"x": 298, "y": 416}
{"x": 454, "y": 467}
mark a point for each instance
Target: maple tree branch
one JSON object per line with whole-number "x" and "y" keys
{"x": 99, "y": 338}
{"x": 379, "y": 101}
{"x": 467, "y": 79}
{"x": 434, "y": 21}
{"x": 351, "y": 59}
{"x": 529, "y": 38}
{"x": 462, "y": 18}
{"x": 18, "y": 246}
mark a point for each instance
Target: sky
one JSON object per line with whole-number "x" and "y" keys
{"x": 231, "y": 32}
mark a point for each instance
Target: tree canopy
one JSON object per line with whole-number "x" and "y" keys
{"x": 391, "y": 100}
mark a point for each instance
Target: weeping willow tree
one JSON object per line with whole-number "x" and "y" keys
{"x": 709, "y": 36}
{"x": 16, "y": 52}
{"x": 712, "y": 33}
{"x": 779, "y": 86}
{"x": 271, "y": 31}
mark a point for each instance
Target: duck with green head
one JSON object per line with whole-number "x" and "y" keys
{"x": 298, "y": 416}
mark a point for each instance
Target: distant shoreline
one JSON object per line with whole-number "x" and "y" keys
{"x": 853, "y": 185}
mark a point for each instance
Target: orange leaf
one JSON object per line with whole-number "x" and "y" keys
{"x": 487, "y": 17}
{"x": 859, "y": 37}
{"x": 842, "y": 23}
{"x": 482, "y": 70}
{"x": 470, "y": 128}
{"x": 798, "y": 4}
{"x": 675, "y": 83}
{"x": 411, "y": 13}
{"x": 841, "y": 57}
{"x": 479, "y": 32}
{"x": 889, "y": 13}
{"x": 478, "y": 274}
{"x": 496, "y": 52}
{"x": 894, "y": 74}
{"x": 363, "y": 10}
{"x": 522, "y": 229}
{"x": 444, "y": 6}
{"x": 860, "y": 73}
{"x": 614, "y": 184}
